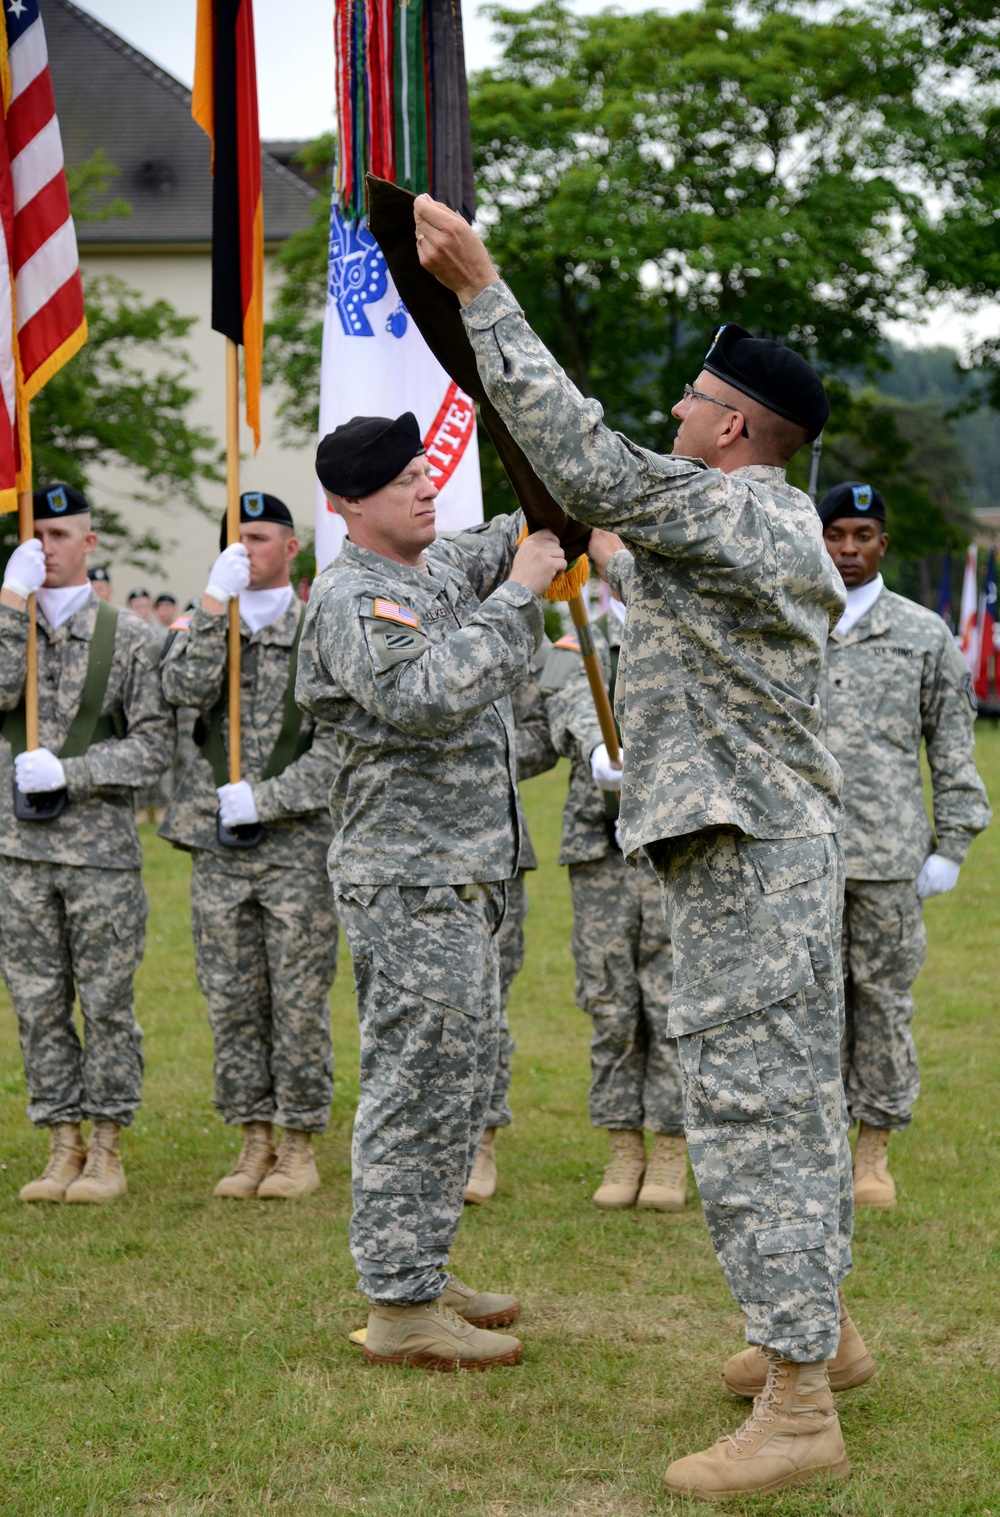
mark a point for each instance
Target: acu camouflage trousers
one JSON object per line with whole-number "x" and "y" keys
{"x": 265, "y": 943}
{"x": 621, "y": 949}
{"x": 426, "y": 968}
{"x": 884, "y": 947}
{"x": 67, "y": 929}
{"x": 510, "y": 945}
{"x": 758, "y": 1011}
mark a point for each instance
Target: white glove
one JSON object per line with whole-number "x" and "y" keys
{"x": 236, "y": 804}
{"x": 937, "y": 877}
{"x": 607, "y": 775}
{"x": 25, "y": 571}
{"x": 38, "y": 770}
{"x": 230, "y": 573}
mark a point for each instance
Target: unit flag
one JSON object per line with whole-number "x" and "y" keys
{"x": 376, "y": 363}
{"x": 224, "y": 104}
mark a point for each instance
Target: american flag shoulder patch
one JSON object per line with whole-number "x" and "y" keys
{"x": 388, "y": 611}
{"x": 180, "y": 625}
{"x": 570, "y": 641}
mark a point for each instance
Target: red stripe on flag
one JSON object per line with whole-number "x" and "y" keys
{"x": 32, "y": 110}
{"x": 50, "y": 327}
{"x": 248, "y": 137}
{"x": 449, "y": 433}
{"x": 35, "y": 222}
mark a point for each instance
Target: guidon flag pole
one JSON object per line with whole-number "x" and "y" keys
{"x": 224, "y": 104}
{"x": 42, "y": 319}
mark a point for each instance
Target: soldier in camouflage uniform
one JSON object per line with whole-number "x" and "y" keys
{"x": 72, "y": 907}
{"x": 893, "y": 677}
{"x": 265, "y": 929}
{"x": 535, "y": 755}
{"x": 621, "y": 949}
{"x": 735, "y": 799}
{"x": 412, "y": 647}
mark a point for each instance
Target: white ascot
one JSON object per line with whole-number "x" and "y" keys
{"x": 859, "y": 602}
{"x": 259, "y": 608}
{"x": 59, "y": 605}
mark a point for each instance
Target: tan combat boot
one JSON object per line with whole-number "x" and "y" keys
{"x": 481, "y": 1308}
{"x": 623, "y": 1176}
{"x": 745, "y": 1373}
{"x": 792, "y": 1435}
{"x": 294, "y": 1172}
{"x": 256, "y": 1159}
{"x": 67, "y": 1156}
{"x": 873, "y": 1184}
{"x": 432, "y": 1336}
{"x": 664, "y": 1187}
{"x": 103, "y": 1178}
{"x": 483, "y": 1179}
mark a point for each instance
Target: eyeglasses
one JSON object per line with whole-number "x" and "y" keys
{"x": 690, "y": 393}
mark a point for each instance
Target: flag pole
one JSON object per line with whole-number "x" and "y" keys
{"x": 233, "y": 536}
{"x": 26, "y": 531}
{"x": 595, "y": 676}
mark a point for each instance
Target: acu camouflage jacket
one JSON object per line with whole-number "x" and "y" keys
{"x": 732, "y": 601}
{"x": 895, "y": 678}
{"x": 414, "y": 667}
{"x": 97, "y": 828}
{"x": 293, "y": 805}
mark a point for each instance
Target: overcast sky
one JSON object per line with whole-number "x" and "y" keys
{"x": 295, "y": 83}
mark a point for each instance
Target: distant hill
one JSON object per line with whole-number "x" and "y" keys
{"x": 933, "y": 374}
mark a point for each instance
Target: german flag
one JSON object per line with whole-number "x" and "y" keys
{"x": 224, "y": 104}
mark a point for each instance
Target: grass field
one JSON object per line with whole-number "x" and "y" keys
{"x": 181, "y": 1355}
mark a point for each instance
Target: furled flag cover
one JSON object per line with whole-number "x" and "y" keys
{"x": 42, "y": 321}
{"x": 224, "y": 104}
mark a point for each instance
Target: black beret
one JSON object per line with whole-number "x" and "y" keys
{"x": 100, "y": 575}
{"x": 166, "y": 599}
{"x": 137, "y": 594}
{"x": 771, "y": 374}
{"x": 851, "y": 499}
{"x": 255, "y": 506}
{"x": 366, "y": 452}
{"x": 50, "y": 501}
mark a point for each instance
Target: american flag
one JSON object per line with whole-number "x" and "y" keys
{"x": 42, "y": 321}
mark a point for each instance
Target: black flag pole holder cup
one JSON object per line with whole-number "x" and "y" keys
{"x": 246, "y": 835}
{"x": 39, "y": 805}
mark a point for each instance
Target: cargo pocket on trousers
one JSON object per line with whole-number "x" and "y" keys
{"x": 792, "y": 1257}
{"x": 722, "y": 1078}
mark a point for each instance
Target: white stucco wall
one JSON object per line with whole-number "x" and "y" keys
{"x": 190, "y": 540}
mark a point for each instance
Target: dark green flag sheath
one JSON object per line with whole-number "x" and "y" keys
{"x": 436, "y": 312}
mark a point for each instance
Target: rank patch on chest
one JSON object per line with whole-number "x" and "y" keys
{"x": 388, "y": 611}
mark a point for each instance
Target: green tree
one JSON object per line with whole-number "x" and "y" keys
{"x": 911, "y": 451}
{"x": 293, "y": 337}
{"x": 644, "y": 177}
{"x": 122, "y": 400}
